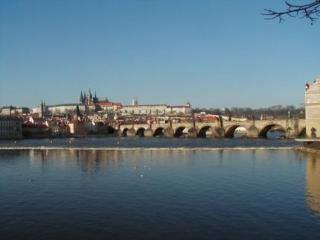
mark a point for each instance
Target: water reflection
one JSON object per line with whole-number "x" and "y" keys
{"x": 87, "y": 160}
{"x": 97, "y": 160}
{"x": 92, "y": 161}
{"x": 313, "y": 183}
{"x": 231, "y": 194}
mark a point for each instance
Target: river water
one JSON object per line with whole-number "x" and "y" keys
{"x": 121, "y": 188}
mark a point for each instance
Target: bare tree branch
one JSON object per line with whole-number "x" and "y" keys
{"x": 309, "y": 11}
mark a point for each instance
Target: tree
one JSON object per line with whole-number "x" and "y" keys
{"x": 310, "y": 10}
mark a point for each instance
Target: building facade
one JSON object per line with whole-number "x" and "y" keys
{"x": 155, "y": 109}
{"x": 10, "y": 128}
{"x": 14, "y": 111}
{"x": 108, "y": 106}
{"x": 312, "y": 108}
{"x": 60, "y": 109}
{"x": 65, "y": 108}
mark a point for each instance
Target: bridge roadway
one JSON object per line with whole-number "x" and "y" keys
{"x": 217, "y": 129}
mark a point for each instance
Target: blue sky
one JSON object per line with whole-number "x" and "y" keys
{"x": 210, "y": 53}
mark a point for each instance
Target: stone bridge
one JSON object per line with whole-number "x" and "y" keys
{"x": 218, "y": 129}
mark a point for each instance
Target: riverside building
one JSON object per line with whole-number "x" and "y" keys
{"x": 14, "y": 111}
{"x": 10, "y": 128}
{"x": 312, "y": 108}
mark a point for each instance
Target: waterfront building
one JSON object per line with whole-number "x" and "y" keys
{"x": 155, "y": 109}
{"x": 76, "y": 128}
{"x": 14, "y": 111}
{"x": 312, "y": 108}
{"x": 10, "y": 128}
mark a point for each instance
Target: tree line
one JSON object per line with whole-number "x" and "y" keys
{"x": 273, "y": 112}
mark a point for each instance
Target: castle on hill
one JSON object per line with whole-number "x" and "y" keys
{"x": 90, "y": 103}
{"x": 87, "y": 98}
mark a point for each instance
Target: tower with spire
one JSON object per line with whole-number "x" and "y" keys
{"x": 81, "y": 98}
{"x": 90, "y": 95}
{"x": 87, "y": 98}
{"x": 95, "y": 98}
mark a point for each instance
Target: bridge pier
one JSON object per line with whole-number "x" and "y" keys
{"x": 192, "y": 133}
{"x": 217, "y": 132}
{"x": 131, "y": 132}
{"x": 168, "y": 132}
{"x": 252, "y": 132}
{"x": 148, "y": 132}
{"x": 291, "y": 133}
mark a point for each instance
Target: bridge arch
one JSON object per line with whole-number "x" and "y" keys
{"x": 179, "y": 131}
{"x": 211, "y": 131}
{"x": 159, "y": 132}
{"x": 128, "y": 132}
{"x": 263, "y": 132}
{"x": 140, "y": 132}
{"x": 229, "y": 132}
{"x": 111, "y": 130}
{"x": 124, "y": 132}
{"x": 204, "y": 132}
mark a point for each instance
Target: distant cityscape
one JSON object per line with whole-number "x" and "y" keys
{"x": 95, "y": 115}
{"x": 90, "y": 104}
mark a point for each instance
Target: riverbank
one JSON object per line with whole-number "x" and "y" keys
{"x": 310, "y": 147}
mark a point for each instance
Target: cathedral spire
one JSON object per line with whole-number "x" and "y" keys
{"x": 90, "y": 94}
{"x": 81, "y": 97}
